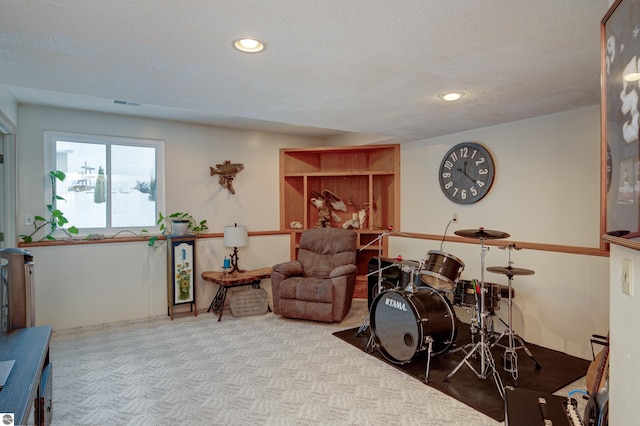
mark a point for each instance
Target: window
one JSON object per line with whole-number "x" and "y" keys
{"x": 111, "y": 183}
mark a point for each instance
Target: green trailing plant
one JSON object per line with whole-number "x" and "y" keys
{"x": 164, "y": 222}
{"x": 57, "y": 220}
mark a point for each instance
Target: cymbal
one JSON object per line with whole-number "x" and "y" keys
{"x": 479, "y": 233}
{"x": 510, "y": 270}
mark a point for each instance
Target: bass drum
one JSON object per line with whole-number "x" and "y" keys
{"x": 401, "y": 322}
{"x": 374, "y": 290}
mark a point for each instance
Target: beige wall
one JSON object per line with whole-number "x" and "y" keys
{"x": 546, "y": 188}
{"x": 80, "y": 285}
{"x": 545, "y": 167}
{"x": 546, "y": 191}
{"x": 624, "y": 364}
{"x": 8, "y": 104}
{"x": 189, "y": 152}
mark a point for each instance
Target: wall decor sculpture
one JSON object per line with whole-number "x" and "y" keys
{"x": 227, "y": 172}
{"x": 327, "y": 203}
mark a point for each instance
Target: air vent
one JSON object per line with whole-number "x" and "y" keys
{"x": 120, "y": 102}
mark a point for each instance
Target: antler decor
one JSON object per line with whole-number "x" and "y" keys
{"x": 326, "y": 203}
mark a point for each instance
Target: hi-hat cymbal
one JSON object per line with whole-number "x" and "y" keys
{"x": 482, "y": 233}
{"x": 510, "y": 270}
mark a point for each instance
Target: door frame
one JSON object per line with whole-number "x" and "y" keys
{"x": 8, "y": 189}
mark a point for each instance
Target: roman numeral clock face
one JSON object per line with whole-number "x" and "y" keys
{"x": 466, "y": 173}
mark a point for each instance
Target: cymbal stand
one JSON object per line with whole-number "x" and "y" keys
{"x": 510, "y": 356}
{"x": 367, "y": 320}
{"x": 487, "y": 363}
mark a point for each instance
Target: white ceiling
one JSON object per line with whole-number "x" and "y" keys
{"x": 374, "y": 67}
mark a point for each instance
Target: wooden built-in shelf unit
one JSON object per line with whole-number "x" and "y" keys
{"x": 361, "y": 176}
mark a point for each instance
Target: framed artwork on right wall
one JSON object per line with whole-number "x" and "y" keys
{"x": 620, "y": 108}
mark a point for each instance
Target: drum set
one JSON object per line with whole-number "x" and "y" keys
{"x": 415, "y": 312}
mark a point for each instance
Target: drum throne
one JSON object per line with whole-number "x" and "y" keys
{"x": 319, "y": 285}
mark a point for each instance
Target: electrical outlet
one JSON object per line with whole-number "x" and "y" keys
{"x": 28, "y": 220}
{"x": 627, "y": 277}
{"x": 455, "y": 217}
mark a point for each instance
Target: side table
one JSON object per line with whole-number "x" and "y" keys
{"x": 228, "y": 280}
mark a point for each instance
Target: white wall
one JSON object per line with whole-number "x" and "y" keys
{"x": 546, "y": 188}
{"x": 558, "y": 307}
{"x": 189, "y": 152}
{"x": 92, "y": 284}
{"x": 8, "y": 104}
{"x": 624, "y": 361}
{"x": 8, "y": 120}
{"x": 80, "y": 285}
{"x": 546, "y": 191}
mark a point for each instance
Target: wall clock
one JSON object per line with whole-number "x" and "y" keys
{"x": 466, "y": 173}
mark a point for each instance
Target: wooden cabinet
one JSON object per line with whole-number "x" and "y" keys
{"x": 27, "y": 394}
{"x": 364, "y": 177}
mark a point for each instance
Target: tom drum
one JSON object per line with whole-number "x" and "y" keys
{"x": 396, "y": 277}
{"x": 441, "y": 270}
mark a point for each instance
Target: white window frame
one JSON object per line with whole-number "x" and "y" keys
{"x": 50, "y": 138}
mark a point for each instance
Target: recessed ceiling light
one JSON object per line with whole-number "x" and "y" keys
{"x": 248, "y": 45}
{"x": 452, "y": 96}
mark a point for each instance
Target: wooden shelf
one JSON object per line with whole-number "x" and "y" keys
{"x": 362, "y": 176}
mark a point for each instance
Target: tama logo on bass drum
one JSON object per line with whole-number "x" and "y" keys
{"x": 396, "y": 304}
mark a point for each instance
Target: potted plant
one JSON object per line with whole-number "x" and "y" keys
{"x": 56, "y": 220}
{"x": 178, "y": 223}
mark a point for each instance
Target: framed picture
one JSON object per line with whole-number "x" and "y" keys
{"x": 620, "y": 106}
{"x": 181, "y": 269}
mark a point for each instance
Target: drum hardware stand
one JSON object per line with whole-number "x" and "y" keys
{"x": 367, "y": 320}
{"x": 512, "y": 348}
{"x": 487, "y": 364}
{"x": 510, "y": 356}
{"x": 429, "y": 340}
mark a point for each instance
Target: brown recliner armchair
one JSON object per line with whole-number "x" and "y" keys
{"x": 319, "y": 285}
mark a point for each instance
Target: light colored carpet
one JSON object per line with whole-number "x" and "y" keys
{"x": 258, "y": 370}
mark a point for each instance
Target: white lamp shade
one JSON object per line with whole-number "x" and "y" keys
{"x": 236, "y": 236}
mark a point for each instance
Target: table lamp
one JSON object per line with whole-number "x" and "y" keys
{"x": 235, "y": 236}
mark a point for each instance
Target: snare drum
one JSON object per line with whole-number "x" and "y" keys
{"x": 441, "y": 270}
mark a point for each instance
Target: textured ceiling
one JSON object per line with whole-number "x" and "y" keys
{"x": 373, "y": 67}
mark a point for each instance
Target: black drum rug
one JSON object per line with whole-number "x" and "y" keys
{"x": 557, "y": 371}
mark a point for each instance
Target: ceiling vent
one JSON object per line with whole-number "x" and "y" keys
{"x": 120, "y": 102}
